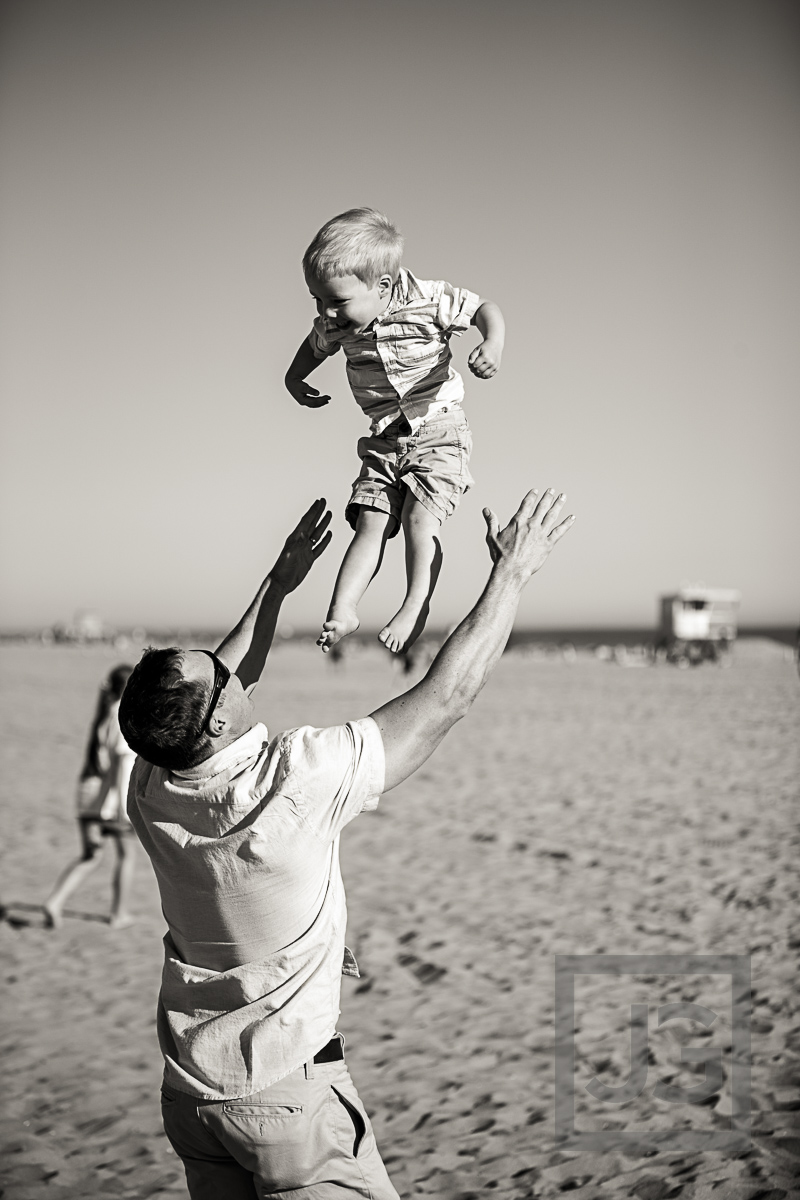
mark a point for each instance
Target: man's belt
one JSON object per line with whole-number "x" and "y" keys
{"x": 333, "y": 1052}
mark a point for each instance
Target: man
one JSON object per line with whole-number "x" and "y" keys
{"x": 243, "y": 836}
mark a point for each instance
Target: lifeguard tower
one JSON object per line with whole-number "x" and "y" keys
{"x": 698, "y": 623}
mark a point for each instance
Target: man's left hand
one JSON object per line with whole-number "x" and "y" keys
{"x": 302, "y": 548}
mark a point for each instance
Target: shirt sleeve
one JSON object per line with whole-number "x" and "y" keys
{"x": 457, "y": 307}
{"x": 321, "y": 343}
{"x": 334, "y": 774}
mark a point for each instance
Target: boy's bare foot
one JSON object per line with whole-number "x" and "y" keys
{"x": 404, "y": 628}
{"x": 340, "y": 623}
{"x": 52, "y": 917}
{"x": 121, "y": 921}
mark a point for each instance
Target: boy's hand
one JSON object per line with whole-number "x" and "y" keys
{"x": 305, "y": 394}
{"x": 484, "y": 361}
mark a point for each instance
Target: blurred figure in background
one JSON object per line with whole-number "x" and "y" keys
{"x": 101, "y": 804}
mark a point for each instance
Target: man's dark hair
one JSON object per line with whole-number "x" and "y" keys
{"x": 161, "y": 713}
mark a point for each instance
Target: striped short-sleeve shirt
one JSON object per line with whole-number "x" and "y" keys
{"x": 401, "y": 365}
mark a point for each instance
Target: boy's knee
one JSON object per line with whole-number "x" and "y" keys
{"x": 419, "y": 518}
{"x": 374, "y": 520}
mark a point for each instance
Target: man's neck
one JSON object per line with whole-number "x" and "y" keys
{"x": 216, "y": 744}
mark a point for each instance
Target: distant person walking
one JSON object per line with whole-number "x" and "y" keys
{"x": 101, "y": 803}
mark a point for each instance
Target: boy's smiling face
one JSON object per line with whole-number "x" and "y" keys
{"x": 348, "y": 305}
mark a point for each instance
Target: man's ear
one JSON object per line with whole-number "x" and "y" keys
{"x": 385, "y": 285}
{"x": 219, "y": 722}
{"x": 217, "y": 725}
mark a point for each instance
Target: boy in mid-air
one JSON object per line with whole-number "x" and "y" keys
{"x": 395, "y": 331}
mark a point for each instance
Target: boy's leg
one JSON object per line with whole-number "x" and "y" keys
{"x": 360, "y": 563}
{"x": 423, "y": 563}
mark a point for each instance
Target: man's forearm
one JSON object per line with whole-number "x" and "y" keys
{"x": 472, "y": 651}
{"x": 412, "y": 725}
{"x": 246, "y": 647}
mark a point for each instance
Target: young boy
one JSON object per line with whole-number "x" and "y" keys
{"x": 395, "y": 332}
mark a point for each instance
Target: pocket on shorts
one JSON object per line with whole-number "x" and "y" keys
{"x": 278, "y": 1140}
{"x": 354, "y": 1123}
{"x": 261, "y": 1110}
{"x": 270, "y": 1123}
{"x": 454, "y": 434}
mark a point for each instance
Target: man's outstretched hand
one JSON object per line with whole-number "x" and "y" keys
{"x": 528, "y": 538}
{"x": 303, "y": 547}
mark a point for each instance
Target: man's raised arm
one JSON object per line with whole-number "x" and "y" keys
{"x": 412, "y": 725}
{"x": 246, "y": 647}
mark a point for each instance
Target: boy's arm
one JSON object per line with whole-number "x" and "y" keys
{"x": 303, "y": 363}
{"x": 484, "y": 361}
{"x": 246, "y": 647}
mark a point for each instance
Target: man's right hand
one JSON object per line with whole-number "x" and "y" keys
{"x": 304, "y": 393}
{"x": 528, "y": 538}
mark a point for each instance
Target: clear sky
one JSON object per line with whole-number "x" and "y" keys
{"x": 621, "y": 178}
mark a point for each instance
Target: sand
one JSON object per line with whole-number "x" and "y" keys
{"x": 580, "y": 809}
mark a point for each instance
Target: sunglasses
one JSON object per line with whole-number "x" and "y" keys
{"x": 221, "y": 677}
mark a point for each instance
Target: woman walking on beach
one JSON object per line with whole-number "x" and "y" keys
{"x": 101, "y": 803}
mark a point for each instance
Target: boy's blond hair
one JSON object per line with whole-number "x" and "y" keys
{"x": 360, "y": 242}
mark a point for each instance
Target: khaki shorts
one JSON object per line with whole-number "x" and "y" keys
{"x": 433, "y": 463}
{"x": 306, "y": 1136}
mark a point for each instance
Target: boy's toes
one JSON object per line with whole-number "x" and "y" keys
{"x": 342, "y": 623}
{"x": 389, "y": 639}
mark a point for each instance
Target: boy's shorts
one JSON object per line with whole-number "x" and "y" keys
{"x": 432, "y": 462}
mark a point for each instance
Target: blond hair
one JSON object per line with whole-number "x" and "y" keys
{"x": 360, "y": 242}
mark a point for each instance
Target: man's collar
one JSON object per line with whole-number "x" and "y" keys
{"x": 246, "y": 747}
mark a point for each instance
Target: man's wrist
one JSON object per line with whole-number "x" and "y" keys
{"x": 276, "y": 586}
{"x": 509, "y": 575}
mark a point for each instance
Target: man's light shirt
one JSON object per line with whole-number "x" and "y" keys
{"x": 245, "y": 848}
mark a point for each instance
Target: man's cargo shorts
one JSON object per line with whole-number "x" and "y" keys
{"x": 431, "y": 461}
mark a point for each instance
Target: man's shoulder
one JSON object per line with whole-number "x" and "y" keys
{"x": 315, "y": 746}
{"x": 333, "y": 773}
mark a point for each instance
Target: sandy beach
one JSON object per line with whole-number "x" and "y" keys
{"x": 581, "y": 808}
